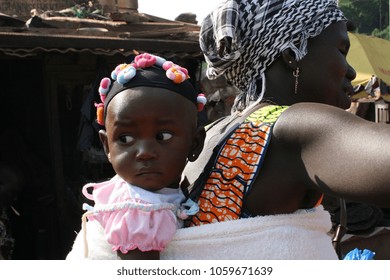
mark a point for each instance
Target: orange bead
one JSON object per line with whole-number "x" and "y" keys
{"x": 100, "y": 115}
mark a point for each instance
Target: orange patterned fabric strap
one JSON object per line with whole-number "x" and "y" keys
{"x": 236, "y": 167}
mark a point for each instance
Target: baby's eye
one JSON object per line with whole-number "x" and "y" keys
{"x": 126, "y": 139}
{"x": 164, "y": 136}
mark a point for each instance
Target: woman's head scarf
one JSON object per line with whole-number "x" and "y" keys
{"x": 260, "y": 31}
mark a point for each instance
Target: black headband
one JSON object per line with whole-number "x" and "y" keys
{"x": 153, "y": 76}
{"x": 147, "y": 71}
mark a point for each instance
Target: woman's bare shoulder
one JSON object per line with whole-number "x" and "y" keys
{"x": 303, "y": 122}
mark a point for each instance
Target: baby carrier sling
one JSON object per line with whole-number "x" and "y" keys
{"x": 228, "y": 176}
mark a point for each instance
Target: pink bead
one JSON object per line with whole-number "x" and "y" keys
{"x": 145, "y": 60}
{"x": 202, "y": 100}
{"x": 167, "y": 64}
{"x": 105, "y": 83}
{"x": 176, "y": 75}
{"x": 170, "y": 74}
{"x": 104, "y": 87}
{"x": 184, "y": 70}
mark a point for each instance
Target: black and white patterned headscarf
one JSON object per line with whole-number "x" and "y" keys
{"x": 261, "y": 30}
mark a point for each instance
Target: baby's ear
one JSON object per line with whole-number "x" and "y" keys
{"x": 103, "y": 139}
{"x": 197, "y": 143}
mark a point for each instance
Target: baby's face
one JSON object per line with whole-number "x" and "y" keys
{"x": 149, "y": 134}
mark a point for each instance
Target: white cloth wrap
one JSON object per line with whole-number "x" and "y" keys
{"x": 302, "y": 235}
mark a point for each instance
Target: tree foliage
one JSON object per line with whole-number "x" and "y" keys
{"x": 369, "y": 16}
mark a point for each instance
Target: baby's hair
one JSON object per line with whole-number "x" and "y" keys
{"x": 145, "y": 70}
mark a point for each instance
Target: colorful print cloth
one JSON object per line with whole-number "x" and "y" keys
{"x": 235, "y": 168}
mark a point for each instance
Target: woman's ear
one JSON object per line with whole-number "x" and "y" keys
{"x": 289, "y": 59}
{"x": 103, "y": 139}
{"x": 197, "y": 143}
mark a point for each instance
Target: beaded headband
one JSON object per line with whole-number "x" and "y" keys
{"x": 147, "y": 70}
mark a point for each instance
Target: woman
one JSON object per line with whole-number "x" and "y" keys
{"x": 263, "y": 171}
{"x": 288, "y": 58}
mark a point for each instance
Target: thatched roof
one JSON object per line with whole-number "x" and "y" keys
{"x": 120, "y": 33}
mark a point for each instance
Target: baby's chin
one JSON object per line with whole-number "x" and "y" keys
{"x": 149, "y": 182}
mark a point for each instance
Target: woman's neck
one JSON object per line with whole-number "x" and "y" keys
{"x": 280, "y": 84}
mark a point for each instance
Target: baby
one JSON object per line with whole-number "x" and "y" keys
{"x": 151, "y": 130}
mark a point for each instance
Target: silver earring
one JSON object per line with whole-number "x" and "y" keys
{"x": 296, "y": 75}
{"x": 192, "y": 157}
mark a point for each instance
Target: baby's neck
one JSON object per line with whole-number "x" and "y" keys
{"x": 173, "y": 186}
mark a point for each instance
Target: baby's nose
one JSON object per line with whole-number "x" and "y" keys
{"x": 146, "y": 150}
